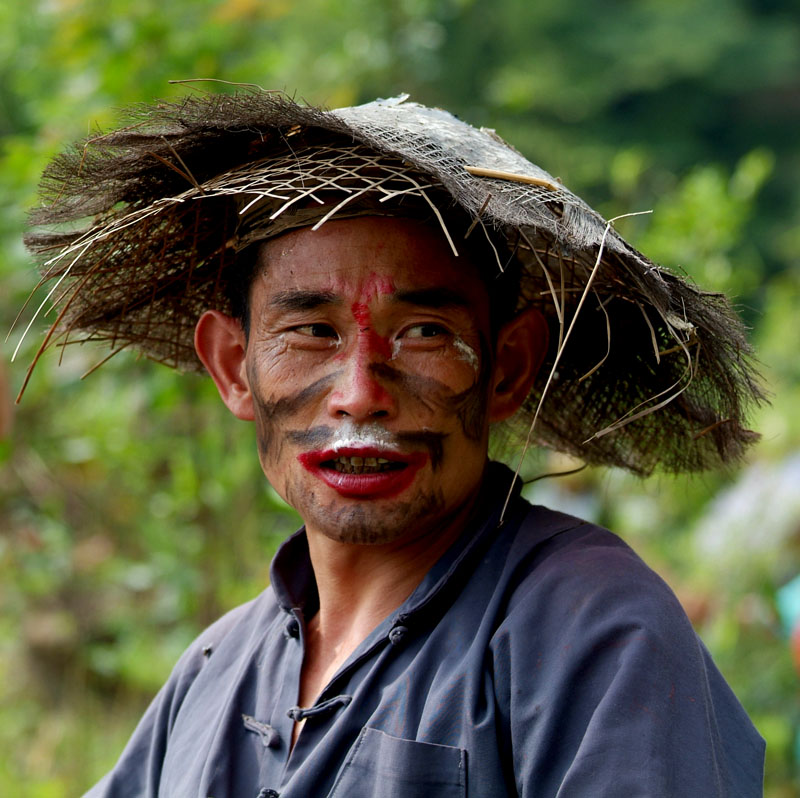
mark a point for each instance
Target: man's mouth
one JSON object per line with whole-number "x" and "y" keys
{"x": 362, "y": 465}
{"x": 364, "y": 472}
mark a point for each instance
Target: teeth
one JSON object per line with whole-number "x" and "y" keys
{"x": 363, "y": 465}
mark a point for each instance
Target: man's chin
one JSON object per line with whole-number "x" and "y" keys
{"x": 373, "y": 523}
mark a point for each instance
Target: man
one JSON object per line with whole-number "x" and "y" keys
{"x": 376, "y": 288}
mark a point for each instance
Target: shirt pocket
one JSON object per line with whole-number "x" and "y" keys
{"x": 382, "y": 766}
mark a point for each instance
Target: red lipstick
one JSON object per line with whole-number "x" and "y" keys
{"x": 364, "y": 472}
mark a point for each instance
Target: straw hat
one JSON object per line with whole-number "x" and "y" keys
{"x": 644, "y": 369}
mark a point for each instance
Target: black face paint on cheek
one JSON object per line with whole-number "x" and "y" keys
{"x": 313, "y": 438}
{"x": 472, "y": 405}
{"x": 428, "y": 392}
{"x": 432, "y": 441}
{"x": 270, "y": 413}
{"x": 469, "y": 406}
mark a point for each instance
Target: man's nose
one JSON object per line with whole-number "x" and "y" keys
{"x": 360, "y": 393}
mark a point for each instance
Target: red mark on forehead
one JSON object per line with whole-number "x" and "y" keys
{"x": 366, "y": 289}
{"x": 377, "y": 285}
{"x": 374, "y": 285}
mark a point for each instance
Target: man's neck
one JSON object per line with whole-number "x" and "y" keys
{"x": 359, "y": 586}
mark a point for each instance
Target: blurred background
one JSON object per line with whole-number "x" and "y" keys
{"x": 132, "y": 508}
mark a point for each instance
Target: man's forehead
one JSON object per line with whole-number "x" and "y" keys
{"x": 382, "y": 256}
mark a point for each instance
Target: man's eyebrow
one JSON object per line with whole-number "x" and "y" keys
{"x": 439, "y": 297}
{"x": 304, "y": 300}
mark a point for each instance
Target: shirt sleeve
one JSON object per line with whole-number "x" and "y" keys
{"x": 608, "y": 691}
{"x": 138, "y": 771}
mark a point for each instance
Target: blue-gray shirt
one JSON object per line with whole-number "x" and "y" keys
{"x": 541, "y": 658}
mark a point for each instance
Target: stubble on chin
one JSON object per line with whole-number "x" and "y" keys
{"x": 365, "y": 523}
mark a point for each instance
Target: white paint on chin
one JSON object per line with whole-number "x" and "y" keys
{"x": 351, "y": 435}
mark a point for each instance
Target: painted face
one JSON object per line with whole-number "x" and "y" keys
{"x": 369, "y": 365}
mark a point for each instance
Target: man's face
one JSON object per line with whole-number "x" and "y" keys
{"x": 369, "y": 364}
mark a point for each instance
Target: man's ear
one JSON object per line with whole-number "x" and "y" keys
{"x": 521, "y": 347}
{"x": 220, "y": 343}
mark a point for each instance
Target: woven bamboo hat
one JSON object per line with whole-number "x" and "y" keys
{"x": 143, "y": 229}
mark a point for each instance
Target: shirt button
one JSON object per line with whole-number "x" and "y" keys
{"x": 396, "y": 634}
{"x": 292, "y": 628}
{"x": 266, "y": 793}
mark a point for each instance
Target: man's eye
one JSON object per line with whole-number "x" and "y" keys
{"x": 425, "y": 331}
{"x": 316, "y": 330}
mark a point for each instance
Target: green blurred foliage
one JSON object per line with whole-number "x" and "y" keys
{"x": 132, "y": 508}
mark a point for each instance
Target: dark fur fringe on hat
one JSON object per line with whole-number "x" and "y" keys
{"x": 644, "y": 369}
